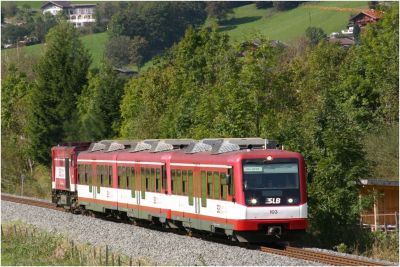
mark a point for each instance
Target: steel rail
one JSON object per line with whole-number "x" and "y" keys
{"x": 298, "y": 253}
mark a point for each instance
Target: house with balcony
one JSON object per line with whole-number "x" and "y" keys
{"x": 77, "y": 14}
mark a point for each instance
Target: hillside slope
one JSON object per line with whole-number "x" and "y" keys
{"x": 289, "y": 25}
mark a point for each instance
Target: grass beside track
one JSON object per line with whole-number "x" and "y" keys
{"x": 23, "y": 244}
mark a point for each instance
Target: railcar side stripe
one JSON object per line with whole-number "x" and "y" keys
{"x": 121, "y": 161}
{"x": 201, "y": 165}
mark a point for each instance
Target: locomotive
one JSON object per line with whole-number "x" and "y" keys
{"x": 247, "y": 189}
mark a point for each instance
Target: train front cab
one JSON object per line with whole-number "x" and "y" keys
{"x": 64, "y": 172}
{"x": 273, "y": 192}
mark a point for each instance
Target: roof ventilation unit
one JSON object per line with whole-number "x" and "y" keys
{"x": 170, "y": 144}
{"x": 97, "y": 146}
{"x": 197, "y": 147}
{"x": 140, "y": 146}
{"x": 224, "y": 147}
{"x": 114, "y": 146}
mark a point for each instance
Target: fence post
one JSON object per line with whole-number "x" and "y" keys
{"x": 130, "y": 260}
{"x": 112, "y": 259}
{"x": 106, "y": 255}
{"x": 100, "y": 256}
{"x": 2, "y": 233}
{"x": 396, "y": 220}
{"x": 119, "y": 260}
{"x": 72, "y": 248}
{"x": 15, "y": 230}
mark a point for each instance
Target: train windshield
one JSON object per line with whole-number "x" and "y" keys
{"x": 271, "y": 182}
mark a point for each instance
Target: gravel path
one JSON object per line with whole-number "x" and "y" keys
{"x": 158, "y": 248}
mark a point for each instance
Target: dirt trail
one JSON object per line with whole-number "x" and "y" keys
{"x": 340, "y": 9}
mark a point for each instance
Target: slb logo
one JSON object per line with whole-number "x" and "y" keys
{"x": 273, "y": 200}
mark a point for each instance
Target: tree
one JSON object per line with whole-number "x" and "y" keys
{"x": 160, "y": 23}
{"x": 99, "y": 104}
{"x": 15, "y": 109}
{"x": 264, "y": 4}
{"x": 61, "y": 74}
{"x": 315, "y": 35}
{"x": 13, "y": 33}
{"x": 218, "y": 10}
{"x": 138, "y": 51}
{"x": 9, "y": 8}
{"x": 285, "y": 5}
{"x": 117, "y": 50}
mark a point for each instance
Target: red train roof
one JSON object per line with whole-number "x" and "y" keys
{"x": 182, "y": 157}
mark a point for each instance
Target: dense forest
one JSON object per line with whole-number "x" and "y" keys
{"x": 336, "y": 106}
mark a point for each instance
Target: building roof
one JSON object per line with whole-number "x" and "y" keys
{"x": 342, "y": 41}
{"x": 375, "y": 14}
{"x": 379, "y": 182}
{"x": 66, "y": 4}
{"x": 61, "y": 4}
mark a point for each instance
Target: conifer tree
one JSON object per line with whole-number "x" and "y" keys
{"x": 61, "y": 75}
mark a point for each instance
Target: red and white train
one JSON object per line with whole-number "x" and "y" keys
{"x": 246, "y": 189}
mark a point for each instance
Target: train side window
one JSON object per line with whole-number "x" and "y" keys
{"x": 101, "y": 175}
{"x": 110, "y": 176}
{"x": 143, "y": 182}
{"x": 217, "y": 185}
{"x": 163, "y": 177}
{"x": 147, "y": 179}
{"x": 127, "y": 172}
{"x": 158, "y": 172}
{"x": 133, "y": 182}
{"x": 153, "y": 180}
{"x": 184, "y": 182}
{"x": 231, "y": 187}
{"x": 119, "y": 176}
{"x": 178, "y": 182}
{"x": 123, "y": 177}
{"x": 209, "y": 185}
{"x": 86, "y": 173}
{"x": 203, "y": 188}
{"x": 173, "y": 181}
{"x": 79, "y": 174}
{"x": 223, "y": 185}
{"x": 190, "y": 187}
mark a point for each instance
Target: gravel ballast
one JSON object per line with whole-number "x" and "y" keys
{"x": 158, "y": 248}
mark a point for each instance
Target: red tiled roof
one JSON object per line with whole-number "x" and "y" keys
{"x": 376, "y": 14}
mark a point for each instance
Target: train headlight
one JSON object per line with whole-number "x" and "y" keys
{"x": 290, "y": 200}
{"x": 253, "y": 201}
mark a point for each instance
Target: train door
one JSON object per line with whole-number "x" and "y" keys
{"x": 194, "y": 196}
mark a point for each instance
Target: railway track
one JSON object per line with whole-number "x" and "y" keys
{"x": 288, "y": 251}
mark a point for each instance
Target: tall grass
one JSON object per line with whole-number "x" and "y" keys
{"x": 23, "y": 244}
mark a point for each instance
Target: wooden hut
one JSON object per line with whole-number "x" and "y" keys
{"x": 385, "y": 213}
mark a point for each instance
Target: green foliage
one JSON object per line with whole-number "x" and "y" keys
{"x": 23, "y": 244}
{"x": 218, "y": 9}
{"x": 160, "y": 23}
{"x": 15, "y": 102}
{"x": 382, "y": 149}
{"x": 98, "y": 105}
{"x": 285, "y": 5}
{"x": 117, "y": 50}
{"x": 369, "y": 77}
{"x": 315, "y": 35}
{"x": 61, "y": 75}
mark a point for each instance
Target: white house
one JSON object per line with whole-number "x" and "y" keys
{"x": 78, "y": 14}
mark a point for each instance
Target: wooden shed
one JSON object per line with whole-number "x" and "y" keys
{"x": 385, "y": 213}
